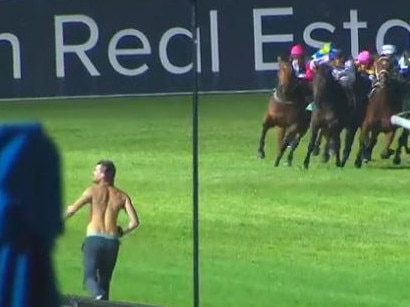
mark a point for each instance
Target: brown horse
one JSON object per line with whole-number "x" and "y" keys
{"x": 337, "y": 107}
{"x": 385, "y": 101}
{"x": 286, "y": 111}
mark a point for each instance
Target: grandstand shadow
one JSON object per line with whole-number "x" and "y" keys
{"x": 81, "y": 301}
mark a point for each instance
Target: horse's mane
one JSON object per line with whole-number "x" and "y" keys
{"x": 325, "y": 71}
{"x": 325, "y": 88}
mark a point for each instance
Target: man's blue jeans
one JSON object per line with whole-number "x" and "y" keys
{"x": 99, "y": 258}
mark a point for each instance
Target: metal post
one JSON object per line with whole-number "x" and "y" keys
{"x": 195, "y": 220}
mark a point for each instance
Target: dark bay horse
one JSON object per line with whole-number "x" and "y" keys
{"x": 385, "y": 100}
{"x": 336, "y": 108}
{"x": 287, "y": 112}
{"x": 358, "y": 99}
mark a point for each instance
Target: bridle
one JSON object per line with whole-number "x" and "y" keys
{"x": 382, "y": 75}
{"x": 290, "y": 86}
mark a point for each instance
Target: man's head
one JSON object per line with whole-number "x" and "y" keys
{"x": 104, "y": 172}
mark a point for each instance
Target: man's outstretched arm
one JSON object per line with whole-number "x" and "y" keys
{"x": 85, "y": 198}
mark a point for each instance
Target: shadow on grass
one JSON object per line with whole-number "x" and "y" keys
{"x": 405, "y": 166}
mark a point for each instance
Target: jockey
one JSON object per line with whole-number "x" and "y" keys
{"x": 342, "y": 71}
{"x": 390, "y": 52}
{"x": 297, "y": 57}
{"x": 363, "y": 62}
{"x": 320, "y": 57}
{"x": 301, "y": 68}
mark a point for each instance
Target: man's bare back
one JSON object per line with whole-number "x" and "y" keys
{"x": 106, "y": 201}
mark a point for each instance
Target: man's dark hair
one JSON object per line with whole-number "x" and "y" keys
{"x": 108, "y": 169}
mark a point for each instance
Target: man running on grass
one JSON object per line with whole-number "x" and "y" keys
{"x": 100, "y": 247}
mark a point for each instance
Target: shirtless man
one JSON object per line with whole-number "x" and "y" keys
{"x": 100, "y": 247}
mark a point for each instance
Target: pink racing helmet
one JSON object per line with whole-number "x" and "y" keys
{"x": 364, "y": 57}
{"x": 297, "y": 50}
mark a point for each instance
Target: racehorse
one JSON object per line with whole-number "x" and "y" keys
{"x": 287, "y": 112}
{"x": 358, "y": 99}
{"x": 335, "y": 108}
{"x": 385, "y": 100}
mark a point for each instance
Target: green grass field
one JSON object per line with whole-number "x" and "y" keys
{"x": 268, "y": 236}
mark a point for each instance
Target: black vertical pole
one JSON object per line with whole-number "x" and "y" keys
{"x": 195, "y": 220}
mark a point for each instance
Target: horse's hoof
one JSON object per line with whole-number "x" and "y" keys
{"x": 316, "y": 151}
{"x": 386, "y": 155}
{"x": 325, "y": 159}
{"x": 261, "y": 155}
{"x": 358, "y": 163}
{"x": 366, "y": 158}
{"x": 396, "y": 160}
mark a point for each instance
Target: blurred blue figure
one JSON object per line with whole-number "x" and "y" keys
{"x": 30, "y": 216}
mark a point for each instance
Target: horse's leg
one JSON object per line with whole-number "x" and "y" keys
{"x": 293, "y": 147}
{"x": 406, "y": 133}
{"x": 326, "y": 149}
{"x": 336, "y": 138}
{"x": 316, "y": 150}
{"x": 280, "y": 144}
{"x": 267, "y": 124}
{"x": 402, "y": 142}
{"x": 292, "y": 139}
{"x": 314, "y": 133}
{"x": 387, "y": 151}
{"x": 299, "y": 135}
{"x": 364, "y": 132}
{"x": 349, "y": 138}
{"x": 369, "y": 145}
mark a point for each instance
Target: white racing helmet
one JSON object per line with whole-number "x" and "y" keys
{"x": 388, "y": 50}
